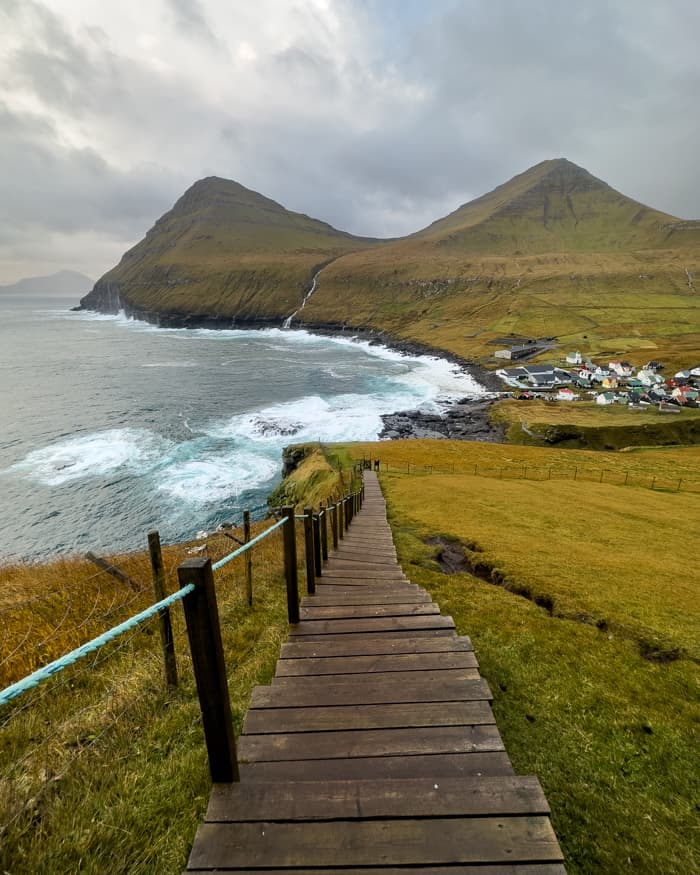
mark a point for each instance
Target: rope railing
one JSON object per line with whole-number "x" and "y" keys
{"x": 196, "y": 581}
{"x": 52, "y": 668}
{"x": 248, "y": 545}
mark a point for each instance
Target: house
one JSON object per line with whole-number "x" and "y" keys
{"x": 649, "y": 378}
{"x": 682, "y": 376}
{"x": 609, "y": 382}
{"x": 666, "y": 407}
{"x": 653, "y": 366}
{"x": 574, "y": 358}
{"x": 565, "y": 394}
{"x": 622, "y": 369}
{"x": 605, "y": 398}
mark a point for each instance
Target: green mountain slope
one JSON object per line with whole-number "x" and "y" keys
{"x": 554, "y": 251}
{"x": 225, "y": 251}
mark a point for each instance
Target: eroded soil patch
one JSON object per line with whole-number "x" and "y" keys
{"x": 457, "y": 557}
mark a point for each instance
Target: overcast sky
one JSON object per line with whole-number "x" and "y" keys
{"x": 377, "y": 116}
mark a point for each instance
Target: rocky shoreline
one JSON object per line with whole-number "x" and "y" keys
{"x": 466, "y": 419}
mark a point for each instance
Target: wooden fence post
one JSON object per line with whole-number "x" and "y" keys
{"x": 323, "y": 520}
{"x": 309, "y": 550}
{"x": 290, "y": 564}
{"x": 204, "y": 633}
{"x": 166, "y": 628}
{"x": 316, "y": 520}
{"x": 248, "y": 558}
{"x": 334, "y": 525}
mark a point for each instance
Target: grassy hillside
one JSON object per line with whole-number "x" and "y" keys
{"x": 223, "y": 250}
{"x": 582, "y": 612}
{"x": 554, "y": 251}
{"x": 581, "y": 607}
{"x": 591, "y": 426}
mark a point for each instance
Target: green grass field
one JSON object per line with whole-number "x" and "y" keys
{"x": 596, "y": 687}
{"x": 583, "y": 614}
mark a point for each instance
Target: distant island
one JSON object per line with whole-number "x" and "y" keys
{"x": 63, "y": 284}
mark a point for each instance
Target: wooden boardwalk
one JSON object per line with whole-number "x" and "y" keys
{"x": 375, "y": 748}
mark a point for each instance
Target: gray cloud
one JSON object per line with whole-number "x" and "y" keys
{"x": 376, "y": 115}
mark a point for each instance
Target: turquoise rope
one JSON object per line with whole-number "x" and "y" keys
{"x": 42, "y": 674}
{"x": 248, "y": 545}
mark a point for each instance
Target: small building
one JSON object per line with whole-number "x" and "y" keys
{"x": 565, "y": 394}
{"x": 609, "y": 382}
{"x": 622, "y": 369}
{"x": 574, "y": 358}
{"x": 605, "y": 398}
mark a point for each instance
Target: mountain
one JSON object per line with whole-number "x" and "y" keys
{"x": 65, "y": 284}
{"x": 553, "y": 251}
{"x": 223, "y": 251}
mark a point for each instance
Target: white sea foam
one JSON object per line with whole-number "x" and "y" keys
{"x": 212, "y": 478}
{"x": 94, "y": 455}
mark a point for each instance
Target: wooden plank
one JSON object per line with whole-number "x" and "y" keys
{"x": 343, "y": 744}
{"x": 362, "y": 588}
{"x": 370, "y": 598}
{"x": 369, "y": 548}
{"x": 432, "y": 766}
{"x": 353, "y": 800}
{"x": 372, "y": 582}
{"x": 395, "y": 677}
{"x": 270, "y": 720}
{"x": 374, "y": 644}
{"x": 368, "y": 842}
{"x": 357, "y": 636}
{"x": 366, "y": 564}
{"x": 372, "y": 692}
{"x": 369, "y": 624}
{"x": 402, "y": 609}
{"x": 465, "y": 869}
{"x": 365, "y": 573}
{"x": 333, "y": 665}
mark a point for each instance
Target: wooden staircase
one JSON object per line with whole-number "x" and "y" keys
{"x": 375, "y": 748}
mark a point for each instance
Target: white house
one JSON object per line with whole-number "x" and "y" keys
{"x": 605, "y": 398}
{"x": 622, "y": 369}
{"x": 565, "y": 394}
{"x": 574, "y": 358}
{"x": 649, "y": 378}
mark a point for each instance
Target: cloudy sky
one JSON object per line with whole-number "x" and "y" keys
{"x": 378, "y": 116}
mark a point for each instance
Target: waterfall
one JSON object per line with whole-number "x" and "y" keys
{"x": 288, "y": 321}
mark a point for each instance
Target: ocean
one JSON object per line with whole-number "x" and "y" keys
{"x": 112, "y": 427}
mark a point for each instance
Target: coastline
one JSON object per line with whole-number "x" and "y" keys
{"x": 465, "y": 419}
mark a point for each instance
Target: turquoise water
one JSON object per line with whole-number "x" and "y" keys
{"x": 112, "y": 427}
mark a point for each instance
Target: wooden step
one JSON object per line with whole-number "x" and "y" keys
{"x": 383, "y": 716}
{"x": 353, "y": 800}
{"x": 368, "y": 645}
{"x": 373, "y": 691}
{"x": 342, "y": 744}
{"x": 369, "y": 665}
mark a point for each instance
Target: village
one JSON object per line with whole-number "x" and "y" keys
{"x": 614, "y": 382}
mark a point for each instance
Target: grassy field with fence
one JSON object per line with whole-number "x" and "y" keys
{"x": 567, "y": 578}
{"x": 580, "y": 594}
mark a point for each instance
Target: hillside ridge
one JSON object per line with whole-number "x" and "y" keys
{"x": 554, "y": 250}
